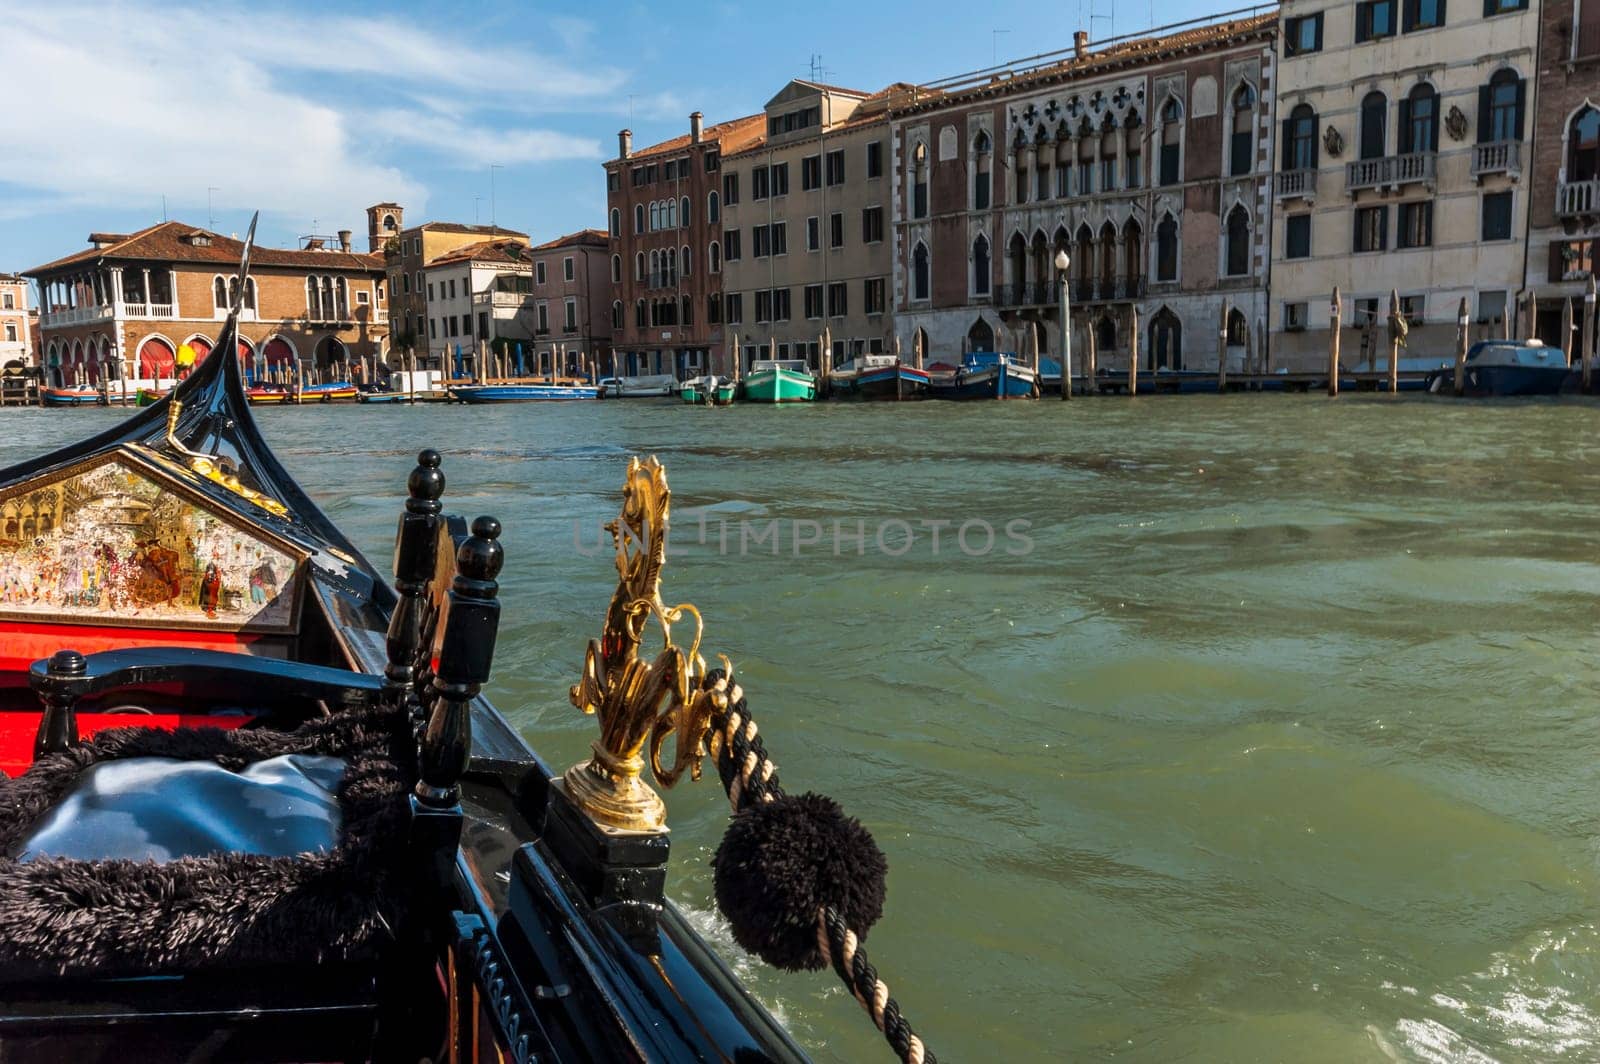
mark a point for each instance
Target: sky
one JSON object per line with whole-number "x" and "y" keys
{"x": 466, "y": 112}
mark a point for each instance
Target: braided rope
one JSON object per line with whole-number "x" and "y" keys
{"x": 750, "y": 777}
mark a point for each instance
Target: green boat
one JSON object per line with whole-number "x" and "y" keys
{"x": 780, "y": 381}
{"x": 710, "y": 390}
{"x": 151, "y": 396}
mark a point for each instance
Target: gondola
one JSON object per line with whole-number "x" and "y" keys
{"x": 253, "y": 804}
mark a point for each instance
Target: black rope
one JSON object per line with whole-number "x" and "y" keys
{"x": 852, "y": 966}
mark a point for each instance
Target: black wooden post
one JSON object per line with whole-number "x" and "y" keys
{"x": 416, "y": 548}
{"x": 58, "y": 728}
{"x": 464, "y": 649}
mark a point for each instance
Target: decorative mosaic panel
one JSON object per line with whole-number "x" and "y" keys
{"x": 110, "y": 544}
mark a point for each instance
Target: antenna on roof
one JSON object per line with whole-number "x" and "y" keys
{"x": 211, "y": 214}
{"x": 818, "y": 71}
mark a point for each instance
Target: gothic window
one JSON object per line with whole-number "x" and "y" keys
{"x": 638, "y": 217}
{"x": 1583, "y": 146}
{"x": 713, "y": 208}
{"x": 714, "y": 258}
{"x": 1242, "y": 141}
{"x": 616, "y": 222}
{"x": 616, "y": 269}
{"x": 919, "y": 181}
{"x": 983, "y": 159}
{"x": 920, "y": 281}
{"x": 1167, "y": 249}
{"x": 980, "y": 265}
{"x": 1171, "y": 142}
{"x": 1238, "y": 242}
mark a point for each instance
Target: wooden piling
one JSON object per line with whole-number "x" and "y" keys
{"x": 1586, "y": 342}
{"x": 1133, "y": 350}
{"x": 1461, "y": 348}
{"x": 1335, "y": 320}
{"x": 1394, "y": 341}
{"x": 1222, "y": 351}
{"x": 1089, "y": 358}
{"x": 1529, "y": 314}
{"x": 1566, "y": 329}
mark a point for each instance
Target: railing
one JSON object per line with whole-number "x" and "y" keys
{"x": 1586, "y": 42}
{"x": 502, "y": 299}
{"x": 1497, "y": 157}
{"x": 147, "y": 310}
{"x": 1389, "y": 170}
{"x": 1297, "y": 183}
{"x": 1577, "y": 197}
{"x": 74, "y": 316}
{"x": 1025, "y": 295}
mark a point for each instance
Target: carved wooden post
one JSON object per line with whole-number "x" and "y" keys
{"x": 1461, "y": 349}
{"x": 1394, "y": 341}
{"x": 1089, "y": 353}
{"x": 464, "y": 648}
{"x": 58, "y": 728}
{"x": 1335, "y": 318}
{"x": 1133, "y": 351}
{"x": 1222, "y": 351}
{"x": 416, "y": 552}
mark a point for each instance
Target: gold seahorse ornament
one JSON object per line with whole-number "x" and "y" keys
{"x": 638, "y": 701}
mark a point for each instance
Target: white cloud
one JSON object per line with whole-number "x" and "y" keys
{"x": 126, "y": 103}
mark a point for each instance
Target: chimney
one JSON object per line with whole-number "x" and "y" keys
{"x": 1080, "y": 44}
{"x": 625, "y": 143}
{"x": 697, "y": 123}
{"x": 344, "y": 240}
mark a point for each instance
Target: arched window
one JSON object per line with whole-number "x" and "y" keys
{"x": 1238, "y": 242}
{"x": 616, "y": 269}
{"x": 250, "y": 294}
{"x": 1063, "y": 162}
{"x": 1108, "y": 257}
{"x": 982, "y": 176}
{"x": 1500, "y": 108}
{"x": 616, "y": 222}
{"x": 1238, "y": 328}
{"x": 1085, "y": 162}
{"x": 980, "y": 337}
{"x": 1171, "y": 142}
{"x": 1300, "y": 139}
{"x": 1167, "y": 249}
{"x": 1242, "y": 141}
{"x": 344, "y": 299}
{"x": 641, "y": 316}
{"x": 1583, "y": 146}
{"x": 638, "y": 217}
{"x": 219, "y": 293}
{"x": 919, "y": 272}
{"x": 638, "y": 267}
{"x": 1133, "y": 255}
{"x": 1085, "y": 255}
{"x": 919, "y": 181}
{"x": 713, "y": 208}
{"x": 1374, "y": 122}
{"x": 1108, "y": 156}
{"x": 655, "y": 269}
{"x": 669, "y": 211}
{"x": 1419, "y": 120}
{"x": 1166, "y": 341}
{"x": 714, "y": 258}
{"x": 1017, "y": 253}
{"x": 683, "y": 213}
{"x": 313, "y": 297}
{"x": 616, "y": 314}
{"x": 1105, "y": 334}
{"x": 980, "y": 265}
{"x": 685, "y": 257}
{"x": 1042, "y": 265}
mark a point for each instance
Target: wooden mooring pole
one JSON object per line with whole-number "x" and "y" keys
{"x": 1133, "y": 350}
{"x": 1335, "y": 318}
{"x": 1461, "y": 349}
{"x": 1586, "y": 343}
{"x": 1222, "y": 351}
{"x": 1394, "y": 341}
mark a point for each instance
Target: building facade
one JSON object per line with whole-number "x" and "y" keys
{"x": 1404, "y": 139}
{"x": 550, "y": 304}
{"x": 664, "y": 216}
{"x": 16, "y": 339}
{"x": 1563, "y": 184}
{"x": 1147, "y": 160}
{"x": 804, "y": 249}
{"x": 406, "y": 252}
{"x": 123, "y": 307}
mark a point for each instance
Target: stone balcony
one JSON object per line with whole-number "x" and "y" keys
{"x": 1576, "y": 199}
{"x": 1296, "y": 184}
{"x": 502, "y": 299}
{"x": 1497, "y": 157}
{"x": 1390, "y": 171}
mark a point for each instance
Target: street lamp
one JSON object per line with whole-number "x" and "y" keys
{"x": 1062, "y": 262}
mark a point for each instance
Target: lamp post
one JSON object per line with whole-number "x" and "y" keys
{"x": 1062, "y": 262}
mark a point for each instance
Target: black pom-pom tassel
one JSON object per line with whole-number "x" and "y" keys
{"x": 783, "y": 861}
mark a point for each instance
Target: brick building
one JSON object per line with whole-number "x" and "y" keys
{"x": 1147, "y": 160}
{"x": 126, "y": 304}
{"x": 664, "y": 214}
{"x": 16, "y": 339}
{"x": 1563, "y": 183}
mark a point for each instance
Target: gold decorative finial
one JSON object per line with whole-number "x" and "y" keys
{"x": 638, "y": 701}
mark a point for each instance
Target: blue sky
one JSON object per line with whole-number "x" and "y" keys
{"x": 312, "y": 112}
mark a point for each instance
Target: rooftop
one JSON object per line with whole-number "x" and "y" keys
{"x": 491, "y": 231}
{"x": 175, "y": 242}
{"x": 733, "y": 135}
{"x": 484, "y": 251}
{"x": 596, "y": 237}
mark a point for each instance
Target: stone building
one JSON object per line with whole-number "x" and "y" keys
{"x": 16, "y": 341}
{"x": 406, "y": 251}
{"x": 1147, "y": 159}
{"x": 1403, "y": 144}
{"x": 1563, "y": 183}
{"x": 127, "y": 304}
{"x": 664, "y": 216}
{"x": 804, "y": 247}
{"x": 550, "y": 303}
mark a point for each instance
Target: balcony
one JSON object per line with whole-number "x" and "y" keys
{"x": 1497, "y": 157}
{"x": 1578, "y": 198}
{"x": 58, "y": 319}
{"x": 147, "y": 310}
{"x": 502, "y": 299}
{"x": 1297, "y": 184}
{"x": 1389, "y": 171}
{"x": 1025, "y": 295}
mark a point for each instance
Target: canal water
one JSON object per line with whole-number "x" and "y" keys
{"x": 1263, "y": 729}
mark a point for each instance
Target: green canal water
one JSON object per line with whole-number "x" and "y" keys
{"x": 1269, "y": 734}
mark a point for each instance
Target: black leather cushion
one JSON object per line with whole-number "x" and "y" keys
{"x": 160, "y": 809}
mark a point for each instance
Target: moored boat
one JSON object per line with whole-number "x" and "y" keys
{"x": 780, "y": 381}
{"x": 521, "y": 393}
{"x": 255, "y": 804}
{"x": 880, "y": 377}
{"x": 383, "y": 397}
{"x": 267, "y": 395}
{"x": 709, "y": 390}
{"x": 84, "y": 396}
{"x": 151, "y": 396}
{"x": 645, "y": 386}
{"x": 330, "y": 392}
{"x": 985, "y": 375}
{"x": 1506, "y": 368}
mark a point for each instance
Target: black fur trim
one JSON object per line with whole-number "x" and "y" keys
{"x": 781, "y": 862}
{"x": 112, "y": 918}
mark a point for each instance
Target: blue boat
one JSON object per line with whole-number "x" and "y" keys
{"x": 879, "y": 377}
{"x": 985, "y": 375}
{"x": 71, "y": 397}
{"x": 382, "y": 397}
{"x": 521, "y": 393}
{"x": 1501, "y": 368}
